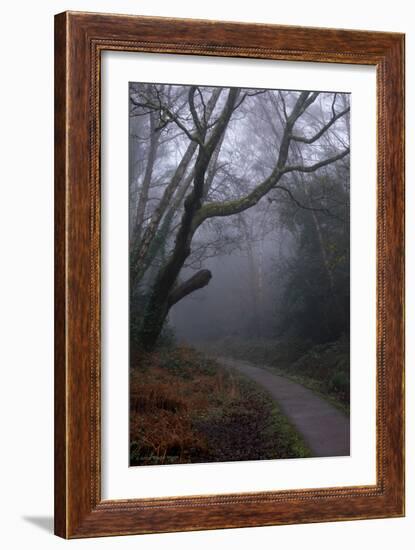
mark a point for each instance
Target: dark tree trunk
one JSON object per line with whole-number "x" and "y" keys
{"x": 156, "y": 314}
{"x": 164, "y": 294}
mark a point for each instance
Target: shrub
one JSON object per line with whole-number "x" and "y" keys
{"x": 322, "y": 367}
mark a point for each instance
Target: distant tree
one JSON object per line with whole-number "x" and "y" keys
{"x": 312, "y": 298}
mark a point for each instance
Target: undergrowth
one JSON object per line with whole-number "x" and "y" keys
{"x": 323, "y": 368}
{"x": 185, "y": 408}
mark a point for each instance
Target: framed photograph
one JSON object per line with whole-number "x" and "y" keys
{"x": 229, "y": 275}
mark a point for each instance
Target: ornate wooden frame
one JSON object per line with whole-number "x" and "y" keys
{"x": 79, "y": 40}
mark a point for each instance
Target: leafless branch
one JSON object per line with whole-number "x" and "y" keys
{"x": 317, "y": 165}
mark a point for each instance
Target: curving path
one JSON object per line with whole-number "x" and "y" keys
{"x": 325, "y": 429}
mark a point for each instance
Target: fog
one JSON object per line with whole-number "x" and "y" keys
{"x": 239, "y": 300}
{"x": 239, "y": 214}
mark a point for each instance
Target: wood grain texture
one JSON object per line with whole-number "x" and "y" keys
{"x": 60, "y": 277}
{"x": 79, "y": 40}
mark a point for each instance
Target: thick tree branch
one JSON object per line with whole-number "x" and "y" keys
{"x": 202, "y": 100}
{"x": 284, "y": 106}
{"x": 196, "y": 282}
{"x": 229, "y": 208}
{"x": 146, "y": 246}
{"x": 222, "y": 121}
{"x": 309, "y": 98}
{"x": 193, "y": 111}
{"x": 158, "y": 304}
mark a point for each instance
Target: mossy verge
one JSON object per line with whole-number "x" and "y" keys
{"x": 323, "y": 368}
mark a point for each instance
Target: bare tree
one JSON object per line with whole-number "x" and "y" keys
{"x": 213, "y": 191}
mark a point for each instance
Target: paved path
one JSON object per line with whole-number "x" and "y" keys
{"x": 325, "y": 429}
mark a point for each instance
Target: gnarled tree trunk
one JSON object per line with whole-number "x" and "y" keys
{"x": 165, "y": 292}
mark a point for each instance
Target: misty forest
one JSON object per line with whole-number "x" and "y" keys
{"x": 239, "y": 273}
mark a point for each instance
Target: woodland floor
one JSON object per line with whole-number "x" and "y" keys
{"x": 188, "y": 408}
